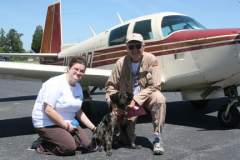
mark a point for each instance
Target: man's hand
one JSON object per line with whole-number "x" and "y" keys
{"x": 133, "y": 105}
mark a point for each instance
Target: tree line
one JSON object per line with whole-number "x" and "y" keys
{"x": 11, "y": 42}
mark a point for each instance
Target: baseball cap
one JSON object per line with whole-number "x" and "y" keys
{"x": 135, "y": 37}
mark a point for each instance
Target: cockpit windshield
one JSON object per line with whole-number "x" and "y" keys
{"x": 178, "y": 22}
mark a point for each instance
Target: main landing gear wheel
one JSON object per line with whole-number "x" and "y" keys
{"x": 232, "y": 119}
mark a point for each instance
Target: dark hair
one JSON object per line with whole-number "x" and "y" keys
{"x": 80, "y": 60}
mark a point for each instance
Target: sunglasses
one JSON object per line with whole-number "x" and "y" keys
{"x": 136, "y": 46}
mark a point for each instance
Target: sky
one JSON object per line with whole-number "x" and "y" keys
{"x": 78, "y": 15}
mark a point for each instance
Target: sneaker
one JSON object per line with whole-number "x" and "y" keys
{"x": 89, "y": 149}
{"x": 36, "y": 143}
{"x": 158, "y": 146}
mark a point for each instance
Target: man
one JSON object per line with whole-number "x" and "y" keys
{"x": 139, "y": 73}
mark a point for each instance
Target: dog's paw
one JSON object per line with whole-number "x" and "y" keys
{"x": 108, "y": 153}
{"x": 100, "y": 148}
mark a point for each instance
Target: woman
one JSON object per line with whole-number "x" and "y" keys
{"x": 58, "y": 104}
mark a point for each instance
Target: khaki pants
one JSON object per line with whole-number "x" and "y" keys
{"x": 156, "y": 105}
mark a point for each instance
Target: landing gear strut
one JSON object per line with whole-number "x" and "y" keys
{"x": 228, "y": 115}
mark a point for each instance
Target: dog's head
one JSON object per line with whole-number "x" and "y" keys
{"x": 121, "y": 99}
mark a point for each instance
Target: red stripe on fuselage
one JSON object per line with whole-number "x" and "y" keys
{"x": 177, "y": 42}
{"x": 185, "y": 35}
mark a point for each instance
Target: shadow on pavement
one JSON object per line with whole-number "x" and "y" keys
{"x": 178, "y": 113}
{"x": 19, "y": 98}
{"x": 144, "y": 142}
{"x": 185, "y": 114}
{"x": 16, "y": 127}
{"x": 95, "y": 110}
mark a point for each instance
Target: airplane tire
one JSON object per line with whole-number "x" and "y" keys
{"x": 232, "y": 120}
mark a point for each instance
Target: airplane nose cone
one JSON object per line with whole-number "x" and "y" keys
{"x": 237, "y": 39}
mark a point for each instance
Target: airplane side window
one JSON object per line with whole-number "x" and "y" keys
{"x": 65, "y": 62}
{"x": 118, "y": 36}
{"x": 166, "y": 30}
{"x": 144, "y": 28}
{"x": 89, "y": 59}
{"x": 178, "y": 22}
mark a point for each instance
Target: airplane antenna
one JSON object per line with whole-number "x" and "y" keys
{"x": 92, "y": 30}
{"x": 120, "y": 18}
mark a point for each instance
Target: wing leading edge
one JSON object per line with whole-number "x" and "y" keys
{"x": 93, "y": 77}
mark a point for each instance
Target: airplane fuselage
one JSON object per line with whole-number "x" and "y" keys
{"x": 191, "y": 56}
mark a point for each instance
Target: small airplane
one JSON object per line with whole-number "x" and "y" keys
{"x": 200, "y": 63}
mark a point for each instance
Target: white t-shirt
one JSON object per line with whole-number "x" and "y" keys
{"x": 135, "y": 72}
{"x": 64, "y": 98}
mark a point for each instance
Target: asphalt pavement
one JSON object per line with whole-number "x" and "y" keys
{"x": 189, "y": 133}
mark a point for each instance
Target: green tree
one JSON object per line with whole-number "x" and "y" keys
{"x": 37, "y": 39}
{"x": 2, "y": 41}
{"x": 13, "y": 42}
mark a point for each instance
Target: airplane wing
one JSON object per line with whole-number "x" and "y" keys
{"x": 30, "y": 54}
{"x": 93, "y": 77}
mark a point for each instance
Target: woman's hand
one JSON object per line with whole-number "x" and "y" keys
{"x": 94, "y": 129}
{"x": 57, "y": 118}
{"x": 69, "y": 127}
{"x": 84, "y": 119}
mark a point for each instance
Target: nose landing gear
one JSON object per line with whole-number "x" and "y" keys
{"x": 228, "y": 115}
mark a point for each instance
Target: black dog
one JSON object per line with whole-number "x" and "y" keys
{"x": 104, "y": 133}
